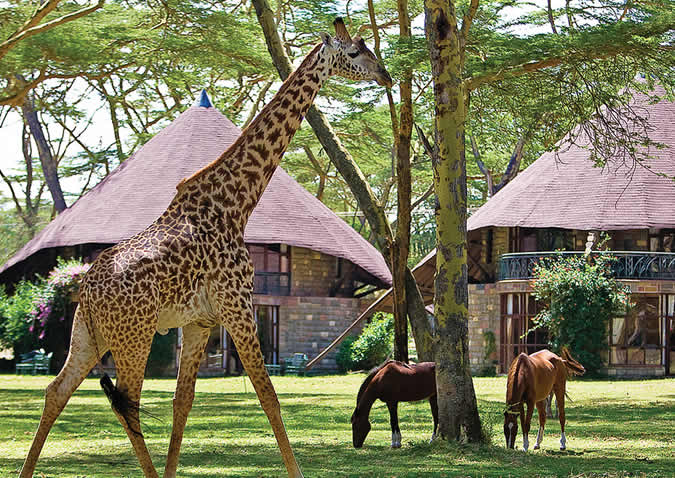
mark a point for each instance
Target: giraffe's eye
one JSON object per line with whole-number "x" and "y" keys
{"x": 353, "y": 54}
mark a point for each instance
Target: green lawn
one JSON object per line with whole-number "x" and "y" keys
{"x": 614, "y": 429}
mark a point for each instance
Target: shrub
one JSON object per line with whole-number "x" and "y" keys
{"x": 343, "y": 358}
{"x": 16, "y": 330}
{"x": 581, "y": 296}
{"x": 375, "y": 343}
{"x": 161, "y": 353}
{"x": 35, "y": 314}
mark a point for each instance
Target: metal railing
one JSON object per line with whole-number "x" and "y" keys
{"x": 629, "y": 264}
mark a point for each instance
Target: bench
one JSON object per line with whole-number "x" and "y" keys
{"x": 297, "y": 364}
{"x": 36, "y": 362}
{"x": 274, "y": 369}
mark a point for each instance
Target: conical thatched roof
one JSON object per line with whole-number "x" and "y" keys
{"x": 132, "y": 196}
{"x": 568, "y": 192}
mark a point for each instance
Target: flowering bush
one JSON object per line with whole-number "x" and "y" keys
{"x": 54, "y": 297}
{"x": 581, "y": 296}
{"x": 28, "y": 315}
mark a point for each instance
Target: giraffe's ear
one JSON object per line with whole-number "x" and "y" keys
{"x": 326, "y": 39}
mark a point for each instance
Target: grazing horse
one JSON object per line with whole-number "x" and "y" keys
{"x": 530, "y": 381}
{"x": 394, "y": 382}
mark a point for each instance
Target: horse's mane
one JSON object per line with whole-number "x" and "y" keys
{"x": 369, "y": 379}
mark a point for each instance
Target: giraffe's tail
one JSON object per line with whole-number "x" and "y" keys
{"x": 573, "y": 367}
{"x": 120, "y": 402}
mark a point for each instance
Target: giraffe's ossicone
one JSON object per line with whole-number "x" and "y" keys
{"x": 191, "y": 269}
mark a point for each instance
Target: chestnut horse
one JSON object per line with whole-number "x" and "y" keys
{"x": 394, "y": 382}
{"x": 530, "y": 381}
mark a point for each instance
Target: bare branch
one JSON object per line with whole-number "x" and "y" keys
{"x": 468, "y": 19}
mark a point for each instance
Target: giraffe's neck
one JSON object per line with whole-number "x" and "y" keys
{"x": 232, "y": 185}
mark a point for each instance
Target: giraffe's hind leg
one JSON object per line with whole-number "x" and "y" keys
{"x": 192, "y": 351}
{"x": 247, "y": 344}
{"x": 130, "y": 360}
{"x": 82, "y": 357}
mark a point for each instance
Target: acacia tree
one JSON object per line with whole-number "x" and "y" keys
{"x": 593, "y": 33}
{"x": 394, "y": 247}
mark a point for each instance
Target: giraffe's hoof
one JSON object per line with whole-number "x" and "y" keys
{"x": 562, "y": 448}
{"x": 536, "y": 447}
{"x": 396, "y": 445}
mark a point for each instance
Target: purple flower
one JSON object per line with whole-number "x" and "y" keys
{"x": 31, "y": 328}
{"x": 42, "y": 335}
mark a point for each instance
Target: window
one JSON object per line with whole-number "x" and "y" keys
{"x": 636, "y": 338}
{"x": 271, "y": 263}
{"x": 517, "y": 313}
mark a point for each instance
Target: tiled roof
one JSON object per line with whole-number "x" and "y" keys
{"x": 568, "y": 192}
{"x": 132, "y": 196}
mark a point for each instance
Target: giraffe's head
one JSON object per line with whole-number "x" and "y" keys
{"x": 351, "y": 57}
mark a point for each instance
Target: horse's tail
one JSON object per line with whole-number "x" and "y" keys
{"x": 573, "y": 367}
{"x": 512, "y": 386}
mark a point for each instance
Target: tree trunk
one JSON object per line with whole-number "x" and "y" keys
{"x": 457, "y": 407}
{"x": 44, "y": 151}
{"x": 358, "y": 185}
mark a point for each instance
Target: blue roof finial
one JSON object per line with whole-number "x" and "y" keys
{"x": 205, "y": 101}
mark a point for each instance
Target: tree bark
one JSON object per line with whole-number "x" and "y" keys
{"x": 458, "y": 411}
{"x": 49, "y": 168}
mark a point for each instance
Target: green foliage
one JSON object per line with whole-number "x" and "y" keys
{"x": 15, "y": 327}
{"x": 162, "y": 353}
{"x": 343, "y": 358}
{"x": 375, "y": 343}
{"x": 581, "y": 296}
{"x": 36, "y": 312}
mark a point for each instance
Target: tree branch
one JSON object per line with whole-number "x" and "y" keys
{"x": 468, "y": 19}
{"x": 31, "y": 27}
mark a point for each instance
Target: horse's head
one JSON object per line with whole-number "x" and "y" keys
{"x": 360, "y": 427}
{"x": 511, "y": 424}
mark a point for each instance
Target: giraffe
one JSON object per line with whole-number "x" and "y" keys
{"x": 191, "y": 269}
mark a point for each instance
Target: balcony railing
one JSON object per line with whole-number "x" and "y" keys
{"x": 629, "y": 265}
{"x": 272, "y": 283}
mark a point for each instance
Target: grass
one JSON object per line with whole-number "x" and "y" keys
{"x": 615, "y": 429}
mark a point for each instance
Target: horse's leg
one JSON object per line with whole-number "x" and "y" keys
{"x": 541, "y": 409}
{"x": 81, "y": 359}
{"x": 433, "y": 402}
{"x": 393, "y": 419}
{"x": 525, "y": 421}
{"x": 560, "y": 399}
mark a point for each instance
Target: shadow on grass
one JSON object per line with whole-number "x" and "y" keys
{"x": 228, "y": 435}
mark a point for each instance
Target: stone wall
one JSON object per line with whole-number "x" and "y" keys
{"x": 483, "y": 317}
{"x": 309, "y": 324}
{"x": 312, "y": 273}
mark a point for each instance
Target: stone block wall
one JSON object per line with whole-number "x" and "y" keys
{"x": 309, "y": 324}
{"x": 483, "y": 317}
{"x": 312, "y": 273}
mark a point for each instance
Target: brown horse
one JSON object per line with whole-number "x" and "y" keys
{"x": 394, "y": 382}
{"x": 530, "y": 381}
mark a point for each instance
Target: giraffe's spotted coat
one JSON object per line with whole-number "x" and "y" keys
{"x": 191, "y": 268}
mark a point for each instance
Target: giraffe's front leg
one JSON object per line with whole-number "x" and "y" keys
{"x": 242, "y": 329}
{"x": 192, "y": 351}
